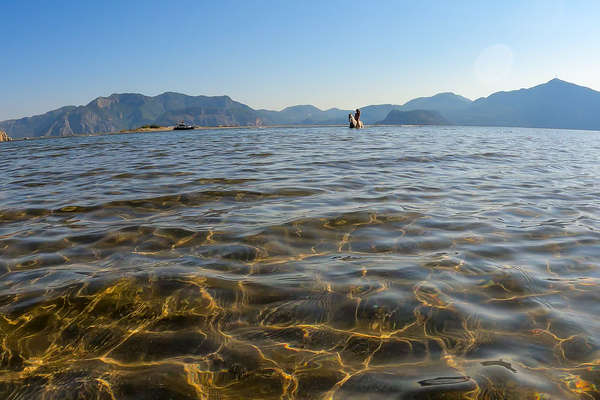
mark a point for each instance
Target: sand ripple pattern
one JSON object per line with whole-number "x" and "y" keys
{"x": 302, "y": 263}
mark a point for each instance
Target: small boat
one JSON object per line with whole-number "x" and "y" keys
{"x": 183, "y": 126}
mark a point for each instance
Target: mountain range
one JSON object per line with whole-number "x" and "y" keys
{"x": 555, "y": 104}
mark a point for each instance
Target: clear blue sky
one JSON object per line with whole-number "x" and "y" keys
{"x": 272, "y": 54}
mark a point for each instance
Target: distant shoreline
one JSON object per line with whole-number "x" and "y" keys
{"x": 205, "y": 128}
{"x": 208, "y": 128}
{"x": 136, "y": 130}
{"x": 170, "y": 129}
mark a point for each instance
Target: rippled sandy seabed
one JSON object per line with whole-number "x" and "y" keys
{"x": 306, "y": 263}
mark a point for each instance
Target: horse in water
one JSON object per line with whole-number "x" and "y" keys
{"x": 354, "y": 123}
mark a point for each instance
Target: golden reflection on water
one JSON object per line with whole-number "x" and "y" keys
{"x": 186, "y": 296}
{"x": 199, "y": 332}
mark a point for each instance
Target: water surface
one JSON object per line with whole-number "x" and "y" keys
{"x": 302, "y": 263}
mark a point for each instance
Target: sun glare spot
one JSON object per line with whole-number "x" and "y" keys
{"x": 494, "y": 64}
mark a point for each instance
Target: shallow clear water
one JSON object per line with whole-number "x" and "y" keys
{"x": 301, "y": 263}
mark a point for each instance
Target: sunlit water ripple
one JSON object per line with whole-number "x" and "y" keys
{"x": 302, "y": 263}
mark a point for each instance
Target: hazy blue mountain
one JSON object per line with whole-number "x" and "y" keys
{"x": 555, "y": 104}
{"x": 373, "y": 114}
{"x": 129, "y": 110}
{"x": 304, "y": 115}
{"x": 414, "y": 117}
{"x": 447, "y": 104}
{"x": 294, "y": 115}
{"x": 307, "y": 114}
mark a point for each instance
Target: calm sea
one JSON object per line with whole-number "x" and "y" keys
{"x": 302, "y": 263}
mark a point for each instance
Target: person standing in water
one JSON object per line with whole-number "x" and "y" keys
{"x": 357, "y": 115}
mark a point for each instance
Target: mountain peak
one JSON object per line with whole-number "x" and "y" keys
{"x": 302, "y": 108}
{"x": 555, "y": 81}
{"x": 451, "y": 96}
{"x": 170, "y": 94}
{"x": 559, "y": 84}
